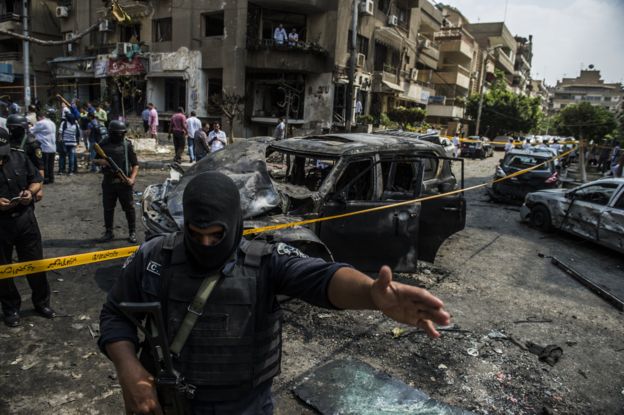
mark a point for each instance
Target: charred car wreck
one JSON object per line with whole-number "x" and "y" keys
{"x": 594, "y": 211}
{"x": 319, "y": 176}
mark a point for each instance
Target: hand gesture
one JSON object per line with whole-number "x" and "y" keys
{"x": 139, "y": 391}
{"x": 6, "y": 204}
{"x": 26, "y": 197}
{"x": 406, "y": 304}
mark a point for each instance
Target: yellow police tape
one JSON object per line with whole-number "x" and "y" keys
{"x": 32, "y": 267}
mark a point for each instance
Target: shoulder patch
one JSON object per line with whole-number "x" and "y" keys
{"x": 38, "y": 153}
{"x": 153, "y": 267}
{"x": 285, "y": 249}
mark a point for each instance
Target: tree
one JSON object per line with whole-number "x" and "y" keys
{"x": 231, "y": 106}
{"x": 504, "y": 111}
{"x": 407, "y": 116}
{"x": 585, "y": 121}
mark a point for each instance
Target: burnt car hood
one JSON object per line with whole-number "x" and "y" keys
{"x": 244, "y": 162}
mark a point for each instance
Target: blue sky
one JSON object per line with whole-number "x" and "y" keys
{"x": 566, "y": 33}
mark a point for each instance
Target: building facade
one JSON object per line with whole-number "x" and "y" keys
{"x": 43, "y": 24}
{"x": 587, "y": 87}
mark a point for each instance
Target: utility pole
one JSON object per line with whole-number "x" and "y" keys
{"x": 26, "y": 53}
{"x": 352, "y": 58}
{"x": 483, "y": 63}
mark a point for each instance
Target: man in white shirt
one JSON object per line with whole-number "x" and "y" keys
{"x": 456, "y": 145}
{"x": 280, "y": 130}
{"x": 192, "y": 125}
{"x": 279, "y": 35}
{"x": 45, "y": 133}
{"x": 509, "y": 146}
{"x": 526, "y": 145}
{"x": 293, "y": 37}
{"x": 217, "y": 138}
{"x": 556, "y": 146}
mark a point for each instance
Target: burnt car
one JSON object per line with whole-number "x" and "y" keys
{"x": 319, "y": 176}
{"x": 430, "y": 137}
{"x": 477, "y": 146}
{"x": 594, "y": 211}
{"x": 515, "y": 189}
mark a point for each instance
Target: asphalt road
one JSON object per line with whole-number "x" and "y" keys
{"x": 489, "y": 275}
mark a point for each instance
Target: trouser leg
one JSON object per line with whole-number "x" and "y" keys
{"x": 71, "y": 159}
{"x": 9, "y": 295}
{"x": 126, "y": 200}
{"x": 48, "y": 166}
{"x": 191, "y": 148}
{"x": 109, "y": 200}
{"x": 29, "y": 248}
{"x": 62, "y": 160}
{"x": 178, "y": 144}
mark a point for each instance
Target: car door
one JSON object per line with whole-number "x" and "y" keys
{"x": 370, "y": 240}
{"x": 440, "y": 217}
{"x": 611, "y": 227}
{"x": 588, "y": 203}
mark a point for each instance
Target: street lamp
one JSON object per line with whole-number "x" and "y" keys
{"x": 485, "y": 59}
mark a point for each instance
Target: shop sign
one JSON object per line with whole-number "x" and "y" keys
{"x": 122, "y": 67}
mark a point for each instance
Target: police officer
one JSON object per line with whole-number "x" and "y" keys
{"x": 20, "y": 139}
{"x": 231, "y": 354}
{"x": 120, "y": 150}
{"x": 19, "y": 181}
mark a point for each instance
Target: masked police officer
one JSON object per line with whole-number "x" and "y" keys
{"x": 20, "y": 139}
{"x": 114, "y": 187}
{"x": 19, "y": 181}
{"x": 231, "y": 355}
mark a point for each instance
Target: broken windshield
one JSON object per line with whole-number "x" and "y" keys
{"x": 521, "y": 162}
{"x": 306, "y": 172}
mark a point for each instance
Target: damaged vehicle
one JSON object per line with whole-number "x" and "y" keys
{"x": 515, "y": 189}
{"x": 594, "y": 211}
{"x": 477, "y": 146}
{"x": 320, "y": 176}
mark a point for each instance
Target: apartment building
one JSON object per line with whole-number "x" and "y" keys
{"x": 587, "y": 87}
{"x": 522, "y": 67}
{"x": 538, "y": 89}
{"x": 498, "y": 48}
{"x": 43, "y": 25}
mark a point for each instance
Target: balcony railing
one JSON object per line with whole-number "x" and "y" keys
{"x": 10, "y": 56}
{"x": 10, "y": 17}
{"x": 270, "y": 44}
{"x": 389, "y": 68}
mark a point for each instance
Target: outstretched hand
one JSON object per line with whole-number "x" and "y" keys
{"x": 407, "y": 304}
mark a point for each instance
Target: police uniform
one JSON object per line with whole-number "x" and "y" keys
{"x": 19, "y": 230}
{"x": 113, "y": 187}
{"x": 234, "y": 350}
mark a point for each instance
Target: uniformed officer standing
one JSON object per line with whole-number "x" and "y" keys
{"x": 19, "y": 181}
{"x": 233, "y": 350}
{"x": 120, "y": 150}
{"x": 20, "y": 139}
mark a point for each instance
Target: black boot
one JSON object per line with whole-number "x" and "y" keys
{"x": 132, "y": 237}
{"x": 108, "y": 236}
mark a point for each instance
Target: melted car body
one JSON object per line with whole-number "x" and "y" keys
{"x": 321, "y": 176}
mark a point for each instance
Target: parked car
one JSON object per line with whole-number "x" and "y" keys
{"x": 516, "y": 188}
{"x": 500, "y": 141}
{"x": 303, "y": 178}
{"x": 477, "y": 146}
{"x": 594, "y": 211}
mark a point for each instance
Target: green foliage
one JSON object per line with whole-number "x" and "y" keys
{"x": 404, "y": 116}
{"x": 585, "y": 121}
{"x": 503, "y": 111}
{"x": 385, "y": 120}
{"x": 365, "y": 119}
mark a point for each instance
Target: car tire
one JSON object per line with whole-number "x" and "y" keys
{"x": 540, "y": 218}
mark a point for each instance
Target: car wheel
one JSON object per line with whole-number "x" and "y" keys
{"x": 540, "y": 218}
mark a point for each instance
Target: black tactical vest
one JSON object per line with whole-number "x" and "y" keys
{"x": 15, "y": 176}
{"x": 119, "y": 153}
{"x": 236, "y": 344}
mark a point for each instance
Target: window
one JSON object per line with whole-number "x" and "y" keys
{"x": 130, "y": 33}
{"x": 361, "y": 43}
{"x": 214, "y": 24}
{"x": 398, "y": 180}
{"x": 299, "y": 170}
{"x": 620, "y": 203}
{"x": 357, "y": 180}
{"x": 599, "y": 194}
{"x": 383, "y": 5}
{"x": 162, "y": 29}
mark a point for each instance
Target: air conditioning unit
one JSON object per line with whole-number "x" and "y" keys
{"x": 62, "y": 11}
{"x": 105, "y": 26}
{"x": 393, "y": 20}
{"x": 367, "y": 7}
{"x": 414, "y": 74}
{"x": 425, "y": 43}
{"x": 361, "y": 60}
{"x": 124, "y": 48}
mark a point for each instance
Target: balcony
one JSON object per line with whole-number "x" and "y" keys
{"x": 503, "y": 61}
{"x": 303, "y": 57}
{"x": 453, "y": 75}
{"x": 301, "y": 6}
{"x": 429, "y": 56}
{"x": 455, "y": 42}
{"x": 10, "y": 21}
{"x": 445, "y": 111}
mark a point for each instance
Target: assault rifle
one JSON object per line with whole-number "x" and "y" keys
{"x": 116, "y": 169}
{"x": 173, "y": 392}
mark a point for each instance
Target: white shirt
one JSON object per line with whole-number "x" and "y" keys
{"x": 508, "y": 147}
{"x": 526, "y": 146}
{"x": 192, "y": 125}
{"x": 280, "y": 35}
{"x": 280, "y": 129}
{"x": 556, "y": 147}
{"x": 220, "y": 140}
{"x": 45, "y": 134}
{"x": 456, "y": 141}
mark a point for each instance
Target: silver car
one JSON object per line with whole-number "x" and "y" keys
{"x": 594, "y": 211}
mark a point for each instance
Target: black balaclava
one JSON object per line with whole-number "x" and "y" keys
{"x": 212, "y": 198}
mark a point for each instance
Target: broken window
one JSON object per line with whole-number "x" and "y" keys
{"x": 130, "y": 33}
{"x": 162, "y": 29}
{"x": 399, "y": 179}
{"x": 356, "y": 182}
{"x": 214, "y": 24}
{"x": 620, "y": 203}
{"x": 299, "y": 170}
{"x": 599, "y": 194}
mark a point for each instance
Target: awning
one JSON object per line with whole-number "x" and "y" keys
{"x": 392, "y": 86}
{"x": 391, "y": 36}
